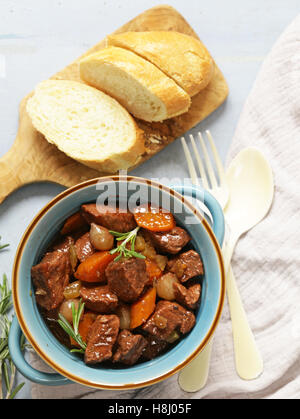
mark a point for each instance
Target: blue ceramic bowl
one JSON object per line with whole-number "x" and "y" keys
{"x": 69, "y": 367}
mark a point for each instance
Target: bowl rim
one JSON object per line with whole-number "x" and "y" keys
{"x": 16, "y": 278}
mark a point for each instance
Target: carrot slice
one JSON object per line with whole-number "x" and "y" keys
{"x": 74, "y": 223}
{"x": 154, "y": 219}
{"x": 142, "y": 309}
{"x": 84, "y": 327}
{"x": 93, "y": 268}
{"x": 153, "y": 270}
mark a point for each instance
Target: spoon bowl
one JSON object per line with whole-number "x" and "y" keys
{"x": 250, "y": 180}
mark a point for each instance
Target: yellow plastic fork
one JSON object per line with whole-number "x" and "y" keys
{"x": 194, "y": 376}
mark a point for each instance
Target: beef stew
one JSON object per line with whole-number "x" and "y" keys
{"x": 128, "y": 303}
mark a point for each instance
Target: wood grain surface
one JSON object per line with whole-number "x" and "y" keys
{"x": 33, "y": 159}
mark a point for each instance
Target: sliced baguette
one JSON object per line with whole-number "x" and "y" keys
{"x": 86, "y": 124}
{"x": 181, "y": 57}
{"x": 144, "y": 90}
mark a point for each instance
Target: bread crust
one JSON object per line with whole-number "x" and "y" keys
{"x": 175, "y": 99}
{"x": 181, "y": 57}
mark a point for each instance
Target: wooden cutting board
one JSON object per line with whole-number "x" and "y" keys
{"x": 33, "y": 159}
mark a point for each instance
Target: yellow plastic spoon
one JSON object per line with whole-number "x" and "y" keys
{"x": 251, "y": 185}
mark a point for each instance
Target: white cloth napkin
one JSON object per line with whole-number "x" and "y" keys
{"x": 267, "y": 259}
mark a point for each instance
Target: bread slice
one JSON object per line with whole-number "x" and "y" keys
{"x": 87, "y": 125}
{"x": 179, "y": 56}
{"x": 144, "y": 90}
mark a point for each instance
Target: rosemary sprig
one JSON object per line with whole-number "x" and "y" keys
{"x": 7, "y": 368}
{"x": 72, "y": 331}
{"x": 3, "y": 246}
{"x": 122, "y": 249}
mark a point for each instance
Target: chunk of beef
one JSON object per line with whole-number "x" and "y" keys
{"x": 168, "y": 318}
{"x": 186, "y": 266}
{"x": 50, "y": 277}
{"x": 127, "y": 278}
{"x": 130, "y": 348}
{"x": 154, "y": 348}
{"x": 188, "y": 297}
{"x": 64, "y": 245}
{"x": 101, "y": 339}
{"x": 171, "y": 242}
{"x": 110, "y": 218}
{"x": 99, "y": 299}
{"x": 84, "y": 247}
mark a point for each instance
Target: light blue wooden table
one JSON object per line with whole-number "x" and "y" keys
{"x": 37, "y": 38}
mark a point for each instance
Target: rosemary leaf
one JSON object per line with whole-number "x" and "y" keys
{"x": 66, "y": 326}
{"x": 3, "y": 246}
{"x": 6, "y": 375}
{"x": 72, "y": 331}
{"x": 137, "y": 255}
{"x": 78, "y": 351}
{"x": 3, "y": 343}
{"x": 5, "y": 304}
{"x": 7, "y": 368}
{"x": 4, "y": 354}
{"x": 116, "y": 234}
{"x": 15, "y": 391}
{"x": 126, "y": 238}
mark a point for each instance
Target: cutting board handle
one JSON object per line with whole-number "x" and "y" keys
{"x": 11, "y": 176}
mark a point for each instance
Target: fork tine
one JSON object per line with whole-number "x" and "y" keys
{"x": 190, "y": 163}
{"x": 219, "y": 164}
{"x": 209, "y": 166}
{"x": 200, "y": 164}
